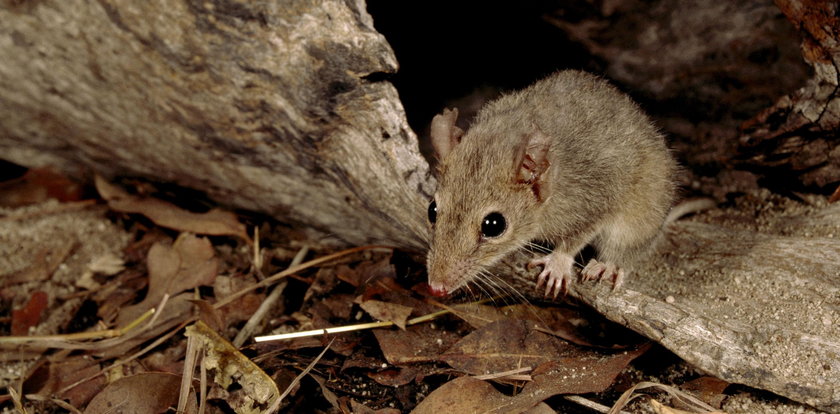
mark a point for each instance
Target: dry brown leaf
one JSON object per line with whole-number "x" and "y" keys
{"x": 229, "y": 366}
{"x": 469, "y": 395}
{"x": 146, "y": 393}
{"x": 215, "y": 222}
{"x": 190, "y": 262}
{"x": 359, "y": 408}
{"x": 541, "y": 408}
{"x": 52, "y": 376}
{"x": 505, "y": 345}
{"x": 395, "y": 377}
{"x": 39, "y": 185}
{"x": 418, "y": 343}
{"x": 562, "y": 322}
{"x": 387, "y": 312}
{"x": 580, "y": 374}
{"x": 29, "y": 315}
{"x": 328, "y": 395}
{"x": 708, "y": 389}
{"x": 477, "y": 315}
{"x": 240, "y": 309}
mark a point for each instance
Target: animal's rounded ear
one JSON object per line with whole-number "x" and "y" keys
{"x": 445, "y": 135}
{"x": 531, "y": 162}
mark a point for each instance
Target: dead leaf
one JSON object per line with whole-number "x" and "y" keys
{"x": 505, "y": 345}
{"x": 359, "y": 408}
{"x": 418, "y": 343}
{"x": 146, "y": 393}
{"x": 30, "y": 315}
{"x": 215, "y": 222}
{"x": 477, "y": 315}
{"x": 52, "y": 376}
{"x": 229, "y": 366}
{"x": 395, "y": 377}
{"x": 38, "y": 185}
{"x": 576, "y": 325}
{"x": 469, "y": 395}
{"x": 541, "y": 408}
{"x": 369, "y": 272}
{"x": 328, "y": 395}
{"x": 190, "y": 262}
{"x": 240, "y": 309}
{"x": 708, "y": 389}
{"x": 387, "y": 312}
{"x": 580, "y": 374}
{"x": 107, "y": 264}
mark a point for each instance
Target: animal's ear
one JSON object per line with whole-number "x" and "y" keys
{"x": 445, "y": 135}
{"x": 532, "y": 163}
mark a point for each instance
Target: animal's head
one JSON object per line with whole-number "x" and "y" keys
{"x": 491, "y": 184}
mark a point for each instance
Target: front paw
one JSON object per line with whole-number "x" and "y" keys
{"x": 596, "y": 270}
{"x": 556, "y": 274}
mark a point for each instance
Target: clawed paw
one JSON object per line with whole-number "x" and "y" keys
{"x": 596, "y": 270}
{"x": 556, "y": 273}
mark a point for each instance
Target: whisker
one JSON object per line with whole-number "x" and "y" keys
{"x": 490, "y": 288}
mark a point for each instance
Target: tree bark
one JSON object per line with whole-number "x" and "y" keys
{"x": 277, "y": 107}
{"x": 798, "y": 135}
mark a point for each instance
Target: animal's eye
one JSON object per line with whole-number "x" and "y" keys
{"x": 493, "y": 225}
{"x": 432, "y": 212}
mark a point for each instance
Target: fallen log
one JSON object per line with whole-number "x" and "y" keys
{"x": 276, "y": 107}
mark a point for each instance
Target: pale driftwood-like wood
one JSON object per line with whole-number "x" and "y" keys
{"x": 750, "y": 308}
{"x": 277, "y": 107}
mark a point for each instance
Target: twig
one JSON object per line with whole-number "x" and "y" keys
{"x": 691, "y": 401}
{"x": 138, "y": 354}
{"x": 253, "y": 322}
{"x": 592, "y": 405}
{"x": 65, "y": 341}
{"x": 292, "y": 270}
{"x": 189, "y": 368}
{"x": 510, "y": 374}
{"x": 276, "y": 404}
{"x": 348, "y": 328}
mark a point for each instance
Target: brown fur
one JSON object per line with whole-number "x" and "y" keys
{"x": 606, "y": 178}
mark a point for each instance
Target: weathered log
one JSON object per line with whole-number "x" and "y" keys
{"x": 276, "y": 107}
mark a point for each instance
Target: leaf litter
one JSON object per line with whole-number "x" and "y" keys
{"x": 149, "y": 327}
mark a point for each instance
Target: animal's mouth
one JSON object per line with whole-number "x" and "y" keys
{"x": 441, "y": 287}
{"x": 438, "y": 291}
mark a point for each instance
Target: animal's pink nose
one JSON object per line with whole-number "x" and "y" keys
{"x": 438, "y": 291}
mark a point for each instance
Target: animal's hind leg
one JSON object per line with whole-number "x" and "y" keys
{"x": 620, "y": 246}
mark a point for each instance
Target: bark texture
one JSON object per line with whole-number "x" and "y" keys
{"x": 277, "y": 107}
{"x": 754, "y": 308}
{"x": 798, "y": 135}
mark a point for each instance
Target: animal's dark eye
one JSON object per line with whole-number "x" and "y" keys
{"x": 432, "y": 212}
{"x": 493, "y": 225}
